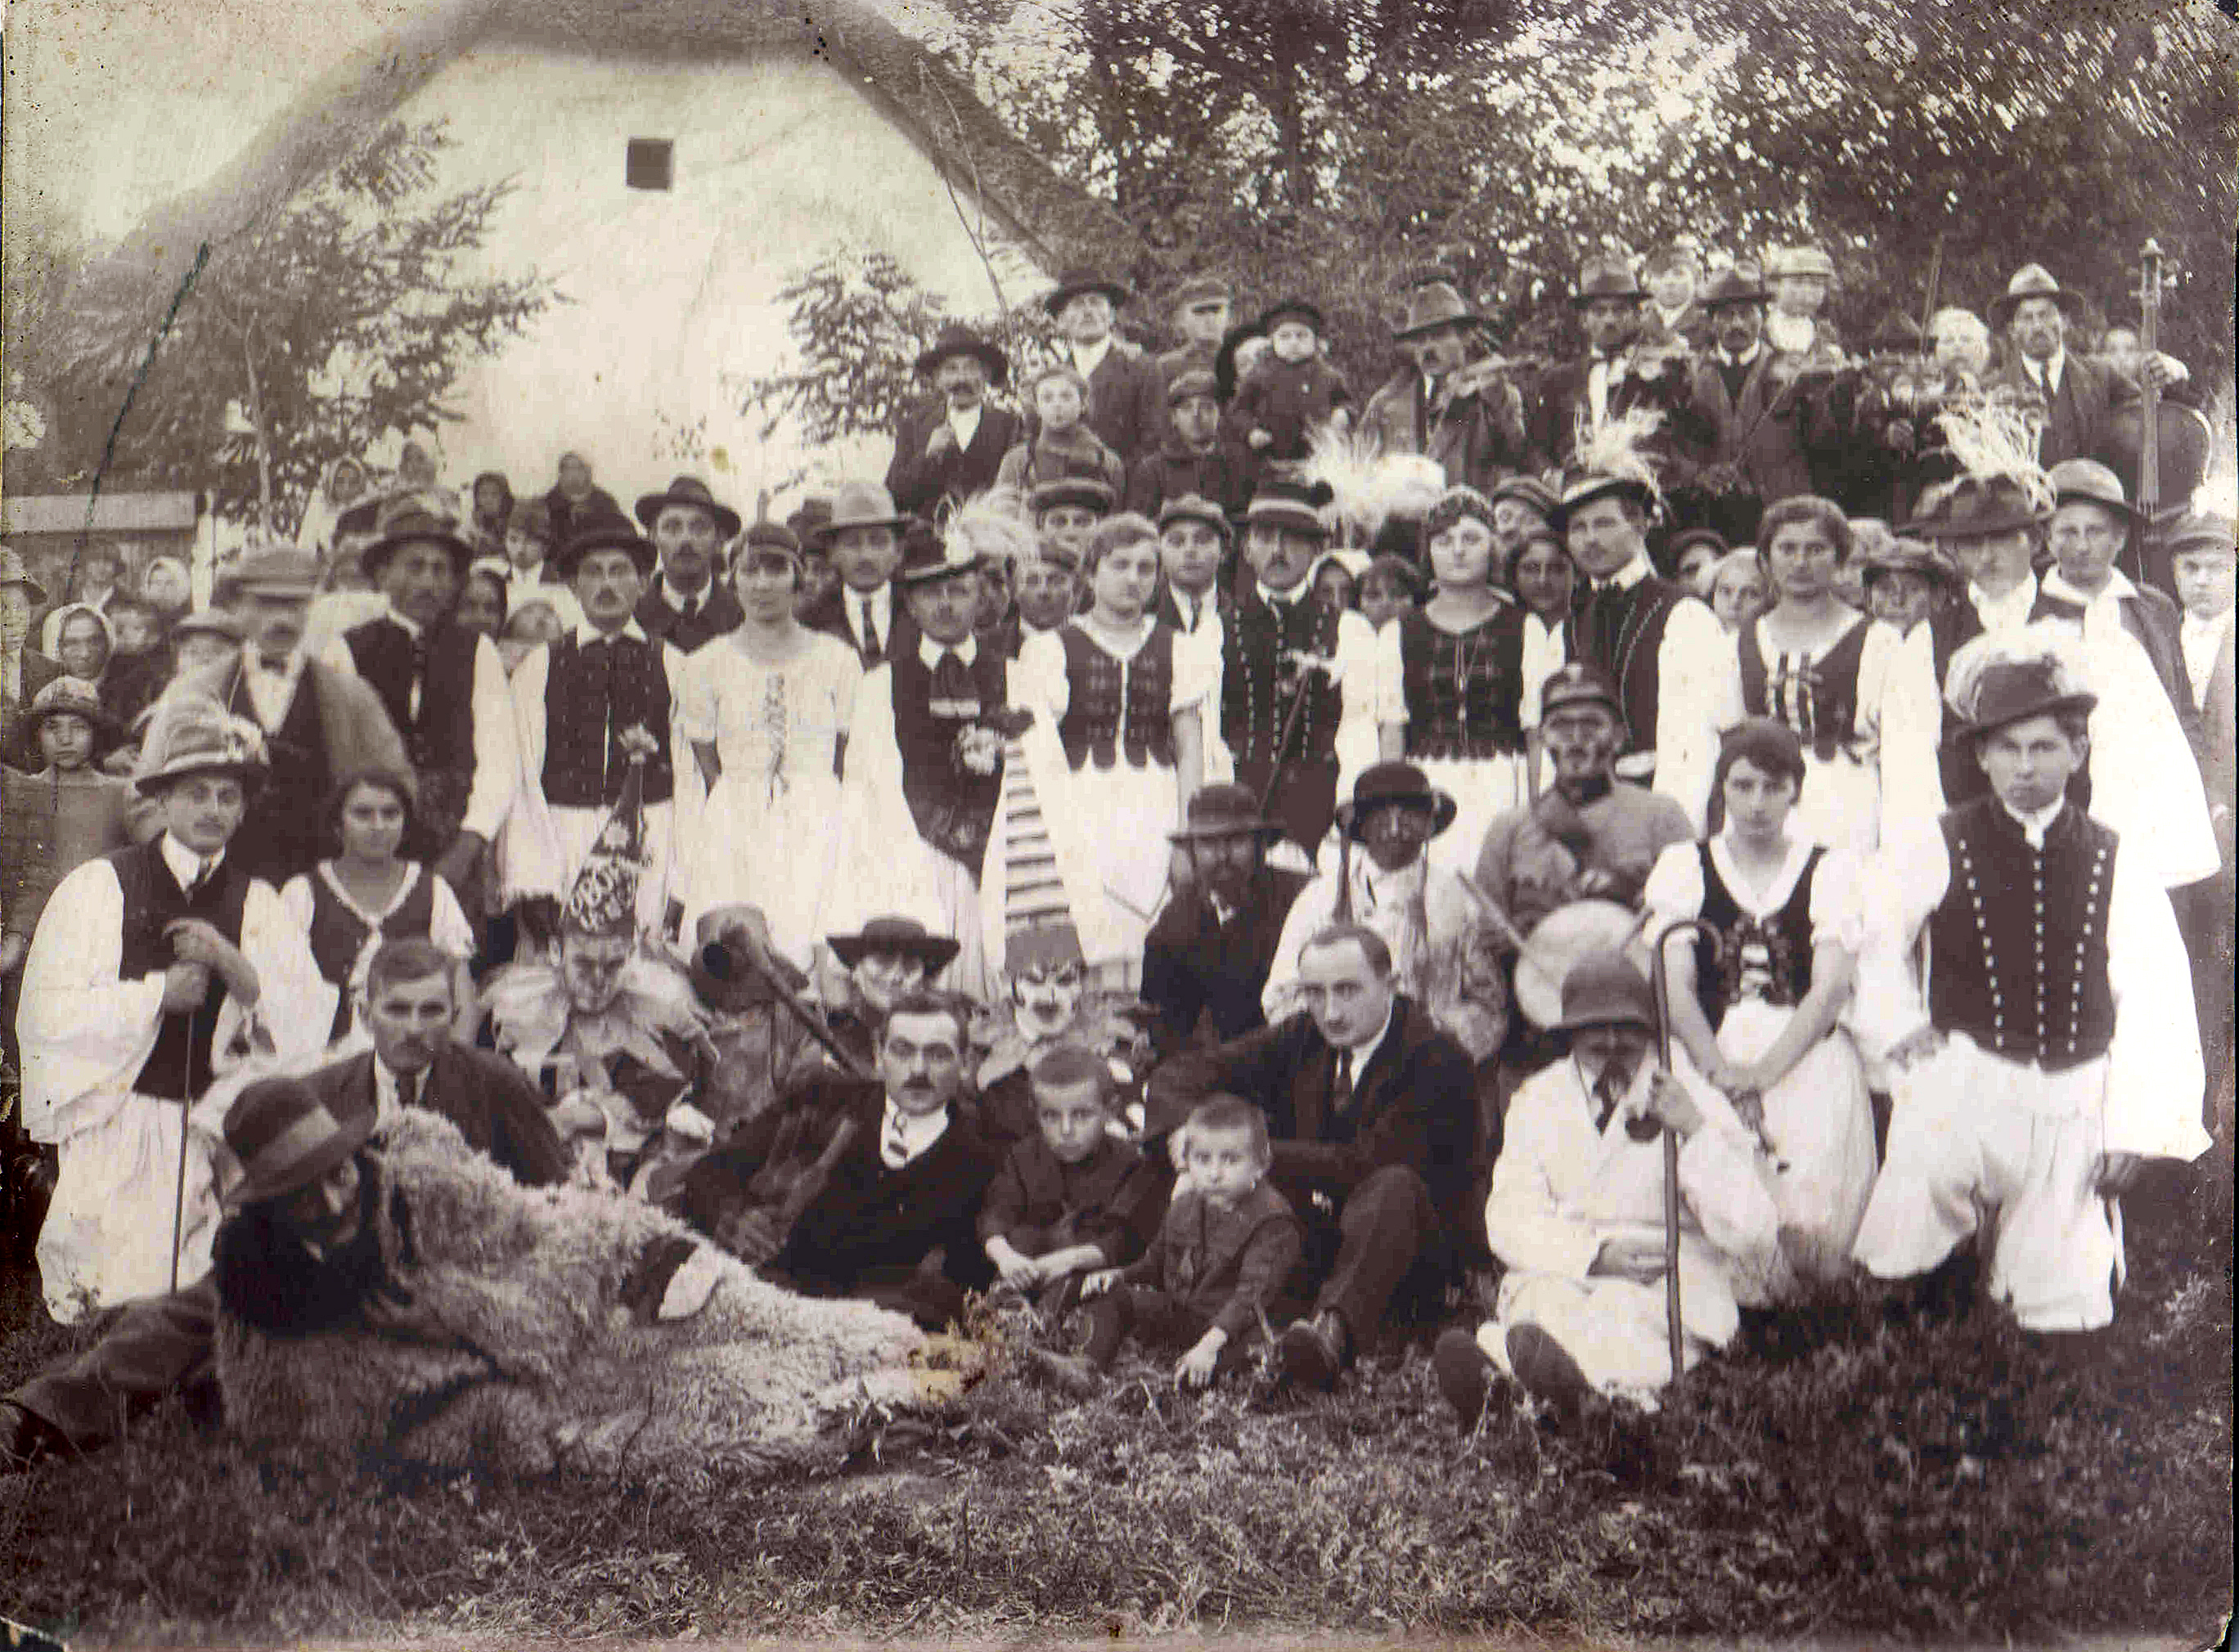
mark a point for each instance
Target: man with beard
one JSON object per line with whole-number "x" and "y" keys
{"x": 1450, "y": 403}
{"x": 949, "y": 446}
{"x": 2079, "y": 394}
{"x": 163, "y": 1344}
{"x": 319, "y": 723}
{"x": 687, "y": 605}
{"x": 887, "y": 1213}
{"x": 1126, "y": 397}
{"x": 1206, "y": 958}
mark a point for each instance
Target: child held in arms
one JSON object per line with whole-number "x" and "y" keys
{"x": 1292, "y": 392}
{"x": 1075, "y": 1197}
{"x": 1228, "y": 1247}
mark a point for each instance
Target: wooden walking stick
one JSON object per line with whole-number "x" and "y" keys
{"x": 1661, "y": 982}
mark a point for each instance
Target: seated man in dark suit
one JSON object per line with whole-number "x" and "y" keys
{"x": 1371, "y": 1109}
{"x": 162, "y": 1344}
{"x": 1206, "y": 958}
{"x": 859, "y": 1188}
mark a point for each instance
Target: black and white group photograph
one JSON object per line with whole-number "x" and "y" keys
{"x": 1118, "y": 822}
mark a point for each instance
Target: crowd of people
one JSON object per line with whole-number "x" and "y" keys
{"x": 1214, "y": 858}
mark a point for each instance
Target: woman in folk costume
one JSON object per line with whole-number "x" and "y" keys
{"x": 1451, "y": 678}
{"x": 1115, "y": 750}
{"x": 1756, "y": 1012}
{"x": 383, "y": 1290}
{"x": 348, "y": 905}
{"x": 153, "y": 967}
{"x": 1860, "y": 697}
{"x": 766, "y": 710}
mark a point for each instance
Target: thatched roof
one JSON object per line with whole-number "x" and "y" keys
{"x": 1056, "y": 222}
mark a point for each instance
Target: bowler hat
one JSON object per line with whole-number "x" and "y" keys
{"x": 860, "y": 504}
{"x": 2088, "y": 482}
{"x": 1383, "y": 783}
{"x": 1225, "y": 809}
{"x": 191, "y": 733}
{"x": 1578, "y": 684}
{"x": 1433, "y": 304}
{"x": 1290, "y": 507}
{"x": 606, "y": 532}
{"x": 2033, "y": 280}
{"x": 1293, "y": 309}
{"x": 1074, "y": 282}
{"x": 1606, "y": 989}
{"x": 687, "y": 490}
{"x": 1607, "y": 278}
{"x": 2011, "y": 691}
{"x": 407, "y": 518}
{"x": 13, "y": 572}
{"x": 1736, "y": 285}
{"x": 286, "y": 1138}
{"x": 956, "y": 339}
{"x": 1090, "y": 491}
{"x": 280, "y": 570}
{"x": 903, "y": 935}
{"x": 1973, "y": 507}
{"x": 1195, "y": 508}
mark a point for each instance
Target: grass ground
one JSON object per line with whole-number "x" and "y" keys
{"x": 1945, "y": 1479}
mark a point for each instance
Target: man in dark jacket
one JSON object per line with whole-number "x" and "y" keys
{"x": 2079, "y": 395}
{"x": 689, "y": 604}
{"x": 950, "y": 446}
{"x": 1371, "y": 1109}
{"x": 1206, "y": 958}
{"x": 1194, "y": 457}
{"x": 1126, "y": 398}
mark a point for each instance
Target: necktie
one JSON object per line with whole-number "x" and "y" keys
{"x": 1341, "y": 1083}
{"x": 1607, "y": 1093}
{"x": 690, "y": 608}
{"x": 1188, "y": 605}
{"x": 275, "y": 663}
{"x": 871, "y": 651}
{"x": 203, "y": 872}
{"x": 419, "y": 675}
{"x": 896, "y": 1151}
{"x": 951, "y": 678}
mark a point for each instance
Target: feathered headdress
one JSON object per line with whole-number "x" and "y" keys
{"x": 1994, "y": 438}
{"x": 1997, "y": 679}
{"x": 1613, "y": 458}
{"x": 190, "y": 733}
{"x": 995, "y": 524}
{"x": 1368, "y": 487}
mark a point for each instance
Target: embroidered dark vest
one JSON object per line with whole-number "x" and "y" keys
{"x": 443, "y": 736}
{"x": 1464, "y": 693}
{"x": 1770, "y": 959}
{"x": 338, "y": 934}
{"x": 591, "y": 695}
{"x": 1115, "y": 706}
{"x": 1820, "y": 702}
{"x": 285, "y": 831}
{"x": 1623, "y": 644}
{"x": 178, "y": 1068}
{"x": 2018, "y": 948}
{"x": 1257, "y": 689}
{"x": 953, "y": 808}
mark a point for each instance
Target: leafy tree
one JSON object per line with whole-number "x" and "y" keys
{"x": 338, "y": 316}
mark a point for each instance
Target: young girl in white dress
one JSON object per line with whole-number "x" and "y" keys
{"x": 1860, "y": 698}
{"x": 1758, "y": 1018}
{"x": 1116, "y": 746}
{"x": 765, "y": 709}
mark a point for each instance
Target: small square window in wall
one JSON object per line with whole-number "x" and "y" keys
{"x": 650, "y": 163}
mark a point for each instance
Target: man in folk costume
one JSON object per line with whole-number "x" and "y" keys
{"x": 2077, "y": 395}
{"x": 926, "y": 753}
{"x": 619, "y": 1026}
{"x": 1126, "y": 394}
{"x": 589, "y": 708}
{"x": 318, "y": 723}
{"x": 1453, "y": 402}
{"x": 949, "y": 446}
{"x": 1297, "y": 679}
{"x": 1657, "y": 643}
{"x": 690, "y": 605}
{"x": 442, "y": 686}
{"x": 154, "y": 967}
{"x": 2053, "y": 1048}
{"x": 1742, "y": 387}
{"x": 1206, "y": 958}
{"x": 863, "y": 537}
{"x": 1617, "y": 374}
{"x": 2092, "y": 522}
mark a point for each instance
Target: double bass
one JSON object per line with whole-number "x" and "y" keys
{"x": 2156, "y": 443}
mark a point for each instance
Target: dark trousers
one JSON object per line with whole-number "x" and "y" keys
{"x": 157, "y": 1346}
{"x": 1153, "y": 1317}
{"x": 1385, "y": 1234}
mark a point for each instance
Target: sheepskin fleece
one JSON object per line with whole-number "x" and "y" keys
{"x": 518, "y": 1353}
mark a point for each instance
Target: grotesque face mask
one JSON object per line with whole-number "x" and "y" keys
{"x": 1045, "y": 999}
{"x": 591, "y": 969}
{"x": 882, "y": 977}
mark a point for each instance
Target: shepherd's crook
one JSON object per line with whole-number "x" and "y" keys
{"x": 1661, "y": 982}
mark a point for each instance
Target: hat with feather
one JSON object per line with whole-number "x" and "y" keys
{"x": 1613, "y": 460}
{"x": 2001, "y": 487}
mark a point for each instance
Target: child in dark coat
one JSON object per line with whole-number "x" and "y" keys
{"x": 1076, "y": 1196}
{"x": 1291, "y": 391}
{"x": 1229, "y": 1245}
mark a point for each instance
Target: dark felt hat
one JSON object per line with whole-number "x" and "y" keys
{"x": 1394, "y": 783}
{"x": 1433, "y": 304}
{"x": 408, "y": 519}
{"x": 2033, "y": 280}
{"x": 1074, "y": 282}
{"x": 687, "y": 490}
{"x": 904, "y": 935}
{"x": 956, "y": 339}
{"x": 1606, "y": 989}
{"x": 1734, "y": 285}
{"x": 1579, "y": 684}
{"x": 286, "y": 1138}
{"x": 2010, "y": 691}
{"x": 1607, "y": 278}
{"x": 1089, "y": 491}
{"x": 1292, "y": 507}
{"x": 606, "y": 532}
{"x": 1973, "y": 507}
{"x": 930, "y": 556}
{"x": 1225, "y": 809}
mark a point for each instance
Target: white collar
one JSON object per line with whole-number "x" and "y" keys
{"x": 2020, "y": 599}
{"x": 918, "y": 1131}
{"x": 677, "y": 599}
{"x": 396, "y": 616}
{"x": 2034, "y": 826}
{"x": 881, "y": 599}
{"x": 930, "y": 652}
{"x": 1364, "y": 1051}
{"x": 252, "y": 659}
{"x": 2118, "y": 587}
{"x": 1626, "y": 577}
{"x": 2202, "y": 628}
{"x": 1089, "y": 357}
{"x": 1289, "y": 598}
{"x": 2052, "y": 370}
{"x": 586, "y": 633}
{"x": 966, "y": 424}
{"x": 1747, "y": 358}
{"x": 186, "y": 865}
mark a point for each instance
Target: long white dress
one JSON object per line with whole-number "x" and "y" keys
{"x": 86, "y": 1032}
{"x": 1107, "y": 827}
{"x": 770, "y": 834}
{"x": 1818, "y": 1121}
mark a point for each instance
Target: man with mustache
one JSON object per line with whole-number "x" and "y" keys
{"x": 950, "y": 446}
{"x": 1450, "y": 402}
{"x": 2079, "y": 394}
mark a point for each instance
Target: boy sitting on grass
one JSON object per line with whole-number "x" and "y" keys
{"x": 1229, "y": 1244}
{"x": 1077, "y": 1195}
